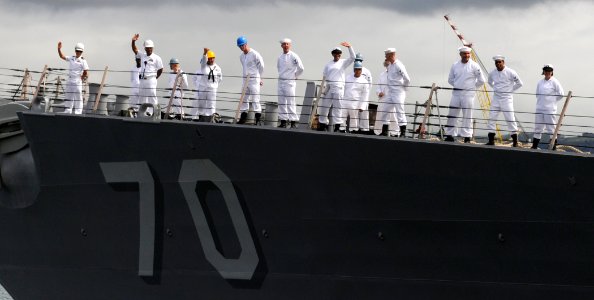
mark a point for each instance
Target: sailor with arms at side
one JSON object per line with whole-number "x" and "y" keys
{"x": 504, "y": 82}
{"x": 465, "y": 76}
{"x": 364, "y": 114}
{"x": 151, "y": 68}
{"x": 334, "y": 72}
{"x": 135, "y": 82}
{"x": 356, "y": 97}
{"x": 289, "y": 67}
{"x": 253, "y": 65}
{"x": 77, "y": 73}
{"x": 177, "y": 109}
{"x": 207, "y": 81}
{"x": 382, "y": 93}
{"x": 548, "y": 92}
{"x": 398, "y": 82}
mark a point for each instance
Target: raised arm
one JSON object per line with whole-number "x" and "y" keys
{"x": 351, "y": 59}
{"x": 134, "y": 39}
{"x": 60, "y": 51}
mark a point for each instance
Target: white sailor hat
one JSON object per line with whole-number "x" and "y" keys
{"x": 336, "y": 49}
{"x": 498, "y": 57}
{"x": 547, "y": 66}
{"x": 390, "y": 50}
{"x": 464, "y": 49}
{"x": 286, "y": 40}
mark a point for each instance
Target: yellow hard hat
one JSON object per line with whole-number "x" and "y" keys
{"x": 210, "y": 54}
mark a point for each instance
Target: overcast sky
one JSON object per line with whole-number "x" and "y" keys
{"x": 529, "y": 33}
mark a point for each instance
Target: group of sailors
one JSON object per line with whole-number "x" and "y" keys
{"x": 346, "y": 92}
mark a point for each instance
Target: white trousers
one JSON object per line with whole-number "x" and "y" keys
{"x": 74, "y": 96}
{"x": 382, "y": 114}
{"x": 252, "y": 95}
{"x": 331, "y": 99}
{"x": 544, "y": 123}
{"x": 507, "y": 108}
{"x": 135, "y": 97}
{"x": 287, "y": 108}
{"x": 460, "y": 103}
{"x": 148, "y": 91}
{"x": 205, "y": 103}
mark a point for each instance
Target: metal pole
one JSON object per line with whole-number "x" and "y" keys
{"x": 554, "y": 139}
{"x": 243, "y": 91}
{"x": 100, "y": 90}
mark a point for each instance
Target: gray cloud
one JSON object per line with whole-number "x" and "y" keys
{"x": 402, "y": 6}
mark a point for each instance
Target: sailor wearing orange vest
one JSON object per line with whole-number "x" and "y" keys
{"x": 289, "y": 67}
{"x": 77, "y": 72}
{"x": 465, "y": 76}
{"x": 548, "y": 92}
{"x": 334, "y": 72}
{"x": 504, "y": 82}
{"x": 253, "y": 65}
{"x": 207, "y": 81}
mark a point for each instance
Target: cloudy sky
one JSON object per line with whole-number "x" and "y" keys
{"x": 529, "y": 33}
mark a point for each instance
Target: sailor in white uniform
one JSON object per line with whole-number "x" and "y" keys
{"x": 77, "y": 73}
{"x": 364, "y": 115}
{"x": 548, "y": 92}
{"x": 334, "y": 72}
{"x": 253, "y": 65}
{"x": 289, "y": 67}
{"x": 398, "y": 82}
{"x": 356, "y": 97}
{"x": 207, "y": 81}
{"x": 176, "y": 111}
{"x": 504, "y": 82}
{"x": 465, "y": 76}
{"x": 151, "y": 68}
{"x": 135, "y": 83}
{"x": 382, "y": 93}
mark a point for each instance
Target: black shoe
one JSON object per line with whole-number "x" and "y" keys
{"x": 491, "y": 141}
{"x": 258, "y": 116}
{"x": 336, "y": 127}
{"x": 384, "y": 130}
{"x": 294, "y": 124}
{"x": 242, "y": 118}
{"x": 283, "y": 124}
{"x": 402, "y": 130}
{"x": 535, "y": 142}
{"x": 466, "y": 140}
{"x": 515, "y": 140}
{"x": 322, "y": 127}
{"x": 449, "y": 138}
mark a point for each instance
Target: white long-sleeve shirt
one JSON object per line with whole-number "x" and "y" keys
{"x": 253, "y": 64}
{"x": 548, "y": 92}
{"x": 356, "y": 92}
{"x": 289, "y": 66}
{"x": 398, "y": 79}
{"x": 466, "y": 77}
{"x": 208, "y": 77}
{"x": 382, "y": 85}
{"x": 504, "y": 83}
{"x": 335, "y": 72}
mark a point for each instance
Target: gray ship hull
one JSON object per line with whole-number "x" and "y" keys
{"x": 131, "y": 209}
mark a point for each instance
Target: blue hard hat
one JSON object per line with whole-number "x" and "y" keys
{"x": 358, "y": 65}
{"x": 174, "y": 61}
{"x": 359, "y": 57}
{"x": 242, "y": 40}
